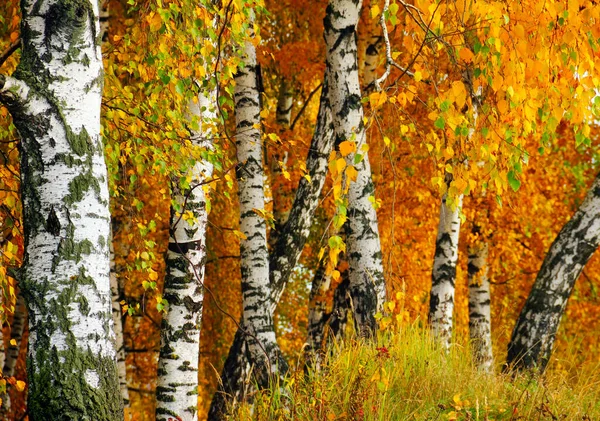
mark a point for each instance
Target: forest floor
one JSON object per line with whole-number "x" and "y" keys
{"x": 408, "y": 377}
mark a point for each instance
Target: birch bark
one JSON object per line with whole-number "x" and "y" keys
{"x": 531, "y": 343}
{"x": 117, "y": 317}
{"x": 177, "y": 383}
{"x": 480, "y": 326}
{"x": 367, "y": 285}
{"x": 54, "y": 97}
{"x": 284, "y": 256}
{"x": 257, "y": 318}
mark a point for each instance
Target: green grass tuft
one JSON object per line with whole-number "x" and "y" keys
{"x": 407, "y": 376}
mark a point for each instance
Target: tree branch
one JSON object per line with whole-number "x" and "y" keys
{"x": 9, "y": 51}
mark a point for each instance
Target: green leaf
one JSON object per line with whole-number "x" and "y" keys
{"x": 440, "y": 123}
{"x": 512, "y": 180}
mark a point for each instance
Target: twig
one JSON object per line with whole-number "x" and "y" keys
{"x": 11, "y": 49}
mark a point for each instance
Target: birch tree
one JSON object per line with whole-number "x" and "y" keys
{"x": 54, "y": 97}
{"x": 117, "y": 317}
{"x": 367, "y": 285}
{"x": 284, "y": 255}
{"x": 443, "y": 275}
{"x": 480, "y": 329}
{"x": 177, "y": 385}
{"x": 531, "y": 343}
{"x": 257, "y": 319}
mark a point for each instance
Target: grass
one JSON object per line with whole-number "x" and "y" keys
{"x": 408, "y": 377}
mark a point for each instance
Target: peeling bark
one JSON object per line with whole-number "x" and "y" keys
{"x": 177, "y": 383}
{"x": 367, "y": 285}
{"x": 531, "y": 344}
{"x": 54, "y": 97}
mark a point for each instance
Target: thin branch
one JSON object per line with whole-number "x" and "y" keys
{"x": 306, "y": 102}
{"x": 9, "y": 51}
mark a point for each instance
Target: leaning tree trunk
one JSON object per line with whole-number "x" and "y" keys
{"x": 177, "y": 383}
{"x": 257, "y": 317}
{"x": 443, "y": 276}
{"x": 285, "y": 254}
{"x": 367, "y": 285}
{"x": 532, "y": 339}
{"x": 480, "y": 326}
{"x": 54, "y": 98}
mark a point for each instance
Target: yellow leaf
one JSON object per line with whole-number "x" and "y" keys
{"x": 340, "y": 164}
{"x": 239, "y": 234}
{"x": 448, "y": 152}
{"x": 145, "y": 255}
{"x": 308, "y": 178}
{"x": 377, "y": 99}
{"x": 347, "y": 147}
{"x": 466, "y": 55}
{"x": 152, "y": 275}
{"x": 459, "y": 93}
{"x": 351, "y": 173}
{"x": 20, "y": 385}
{"x": 418, "y": 76}
{"x": 13, "y": 342}
{"x": 286, "y": 174}
{"x": 386, "y": 140}
{"x": 375, "y": 11}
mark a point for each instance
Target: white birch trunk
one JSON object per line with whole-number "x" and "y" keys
{"x": 117, "y": 317}
{"x": 367, "y": 285}
{"x": 480, "y": 319}
{"x": 284, "y": 256}
{"x": 257, "y": 315}
{"x": 533, "y": 337}
{"x": 443, "y": 276}
{"x": 54, "y": 98}
{"x": 177, "y": 383}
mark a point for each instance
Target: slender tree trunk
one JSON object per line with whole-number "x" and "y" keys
{"x": 266, "y": 357}
{"x": 367, "y": 285}
{"x": 285, "y": 103}
{"x": 284, "y": 256}
{"x": 279, "y": 161}
{"x": 443, "y": 276}
{"x": 480, "y": 326}
{"x": 532, "y": 339}
{"x": 177, "y": 383}
{"x": 341, "y": 305}
{"x": 55, "y": 106}
{"x": 117, "y": 317}
{"x": 17, "y": 327}
{"x": 317, "y": 317}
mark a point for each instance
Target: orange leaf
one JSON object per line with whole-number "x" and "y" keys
{"x": 466, "y": 55}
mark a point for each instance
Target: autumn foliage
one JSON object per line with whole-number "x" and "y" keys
{"x": 523, "y": 163}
